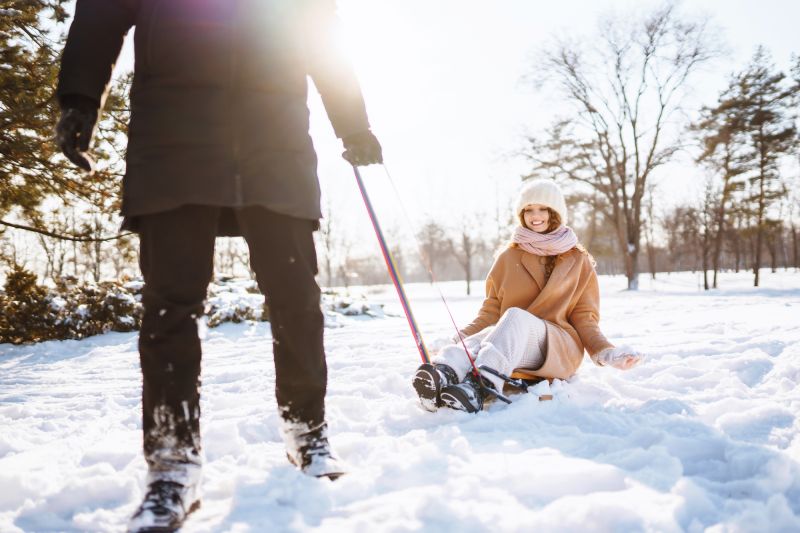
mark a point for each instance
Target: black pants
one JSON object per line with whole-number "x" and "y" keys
{"x": 176, "y": 258}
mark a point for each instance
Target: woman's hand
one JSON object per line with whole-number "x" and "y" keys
{"x": 621, "y": 357}
{"x": 436, "y": 345}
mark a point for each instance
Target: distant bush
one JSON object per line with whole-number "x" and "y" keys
{"x": 30, "y": 312}
{"x": 235, "y": 301}
{"x": 33, "y": 313}
{"x": 26, "y": 312}
{"x": 95, "y": 308}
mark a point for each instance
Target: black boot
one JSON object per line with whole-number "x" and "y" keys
{"x": 465, "y": 396}
{"x": 173, "y": 492}
{"x": 308, "y": 449}
{"x": 172, "y": 452}
{"x": 429, "y": 381}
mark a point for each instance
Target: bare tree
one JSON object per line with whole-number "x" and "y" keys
{"x": 395, "y": 242}
{"x": 232, "y": 258}
{"x": 124, "y": 257}
{"x": 682, "y": 226}
{"x": 326, "y": 238}
{"x": 588, "y": 221}
{"x": 627, "y": 92}
{"x": 344, "y": 270}
{"x": 706, "y": 213}
{"x": 55, "y": 250}
{"x": 434, "y": 244}
{"x": 466, "y": 247}
{"x": 794, "y": 212}
{"x": 649, "y": 231}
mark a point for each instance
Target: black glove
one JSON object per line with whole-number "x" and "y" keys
{"x": 362, "y": 148}
{"x": 74, "y": 129}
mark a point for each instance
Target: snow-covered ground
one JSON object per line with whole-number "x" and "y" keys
{"x": 704, "y": 436}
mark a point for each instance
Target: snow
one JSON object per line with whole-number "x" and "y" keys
{"x": 705, "y": 435}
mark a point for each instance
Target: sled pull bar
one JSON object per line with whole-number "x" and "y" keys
{"x": 492, "y": 392}
{"x": 393, "y": 273}
{"x": 516, "y": 383}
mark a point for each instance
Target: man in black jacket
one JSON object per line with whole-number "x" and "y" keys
{"x": 218, "y": 145}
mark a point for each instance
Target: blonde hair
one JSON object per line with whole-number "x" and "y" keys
{"x": 553, "y": 223}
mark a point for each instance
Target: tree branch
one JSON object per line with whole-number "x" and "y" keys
{"x": 64, "y": 237}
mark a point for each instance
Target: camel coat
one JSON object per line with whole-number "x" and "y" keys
{"x": 568, "y": 303}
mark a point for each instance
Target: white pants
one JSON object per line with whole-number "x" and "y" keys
{"x": 518, "y": 340}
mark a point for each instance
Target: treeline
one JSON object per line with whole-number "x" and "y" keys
{"x": 630, "y": 90}
{"x": 684, "y": 244}
{"x": 748, "y": 139}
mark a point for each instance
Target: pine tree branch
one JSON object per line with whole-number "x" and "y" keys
{"x": 64, "y": 237}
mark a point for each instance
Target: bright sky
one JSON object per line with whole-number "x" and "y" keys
{"x": 442, "y": 81}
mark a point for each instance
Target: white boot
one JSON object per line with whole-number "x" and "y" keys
{"x": 307, "y": 448}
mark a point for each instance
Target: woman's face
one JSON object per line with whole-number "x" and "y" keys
{"x": 536, "y": 217}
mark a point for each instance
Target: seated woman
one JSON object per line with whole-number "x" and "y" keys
{"x": 540, "y": 312}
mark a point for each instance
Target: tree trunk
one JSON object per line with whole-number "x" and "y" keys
{"x": 649, "y": 240}
{"x": 773, "y": 250}
{"x": 718, "y": 238}
{"x": 757, "y": 255}
{"x": 632, "y": 267}
{"x": 74, "y": 250}
{"x": 468, "y": 270}
{"x": 736, "y": 251}
{"x": 328, "y": 271}
{"x": 759, "y": 222}
{"x": 630, "y": 254}
{"x": 705, "y": 259}
{"x": 48, "y": 253}
{"x": 98, "y": 256}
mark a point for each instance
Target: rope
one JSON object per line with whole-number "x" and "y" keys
{"x": 426, "y": 263}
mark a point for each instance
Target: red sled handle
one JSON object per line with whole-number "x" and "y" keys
{"x": 393, "y": 273}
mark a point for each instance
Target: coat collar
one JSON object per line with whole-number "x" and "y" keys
{"x": 535, "y": 267}
{"x": 563, "y": 266}
{"x": 534, "y": 264}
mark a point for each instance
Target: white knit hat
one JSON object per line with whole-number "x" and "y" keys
{"x": 543, "y": 192}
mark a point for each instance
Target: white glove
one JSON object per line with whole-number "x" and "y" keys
{"x": 437, "y": 344}
{"x": 621, "y": 357}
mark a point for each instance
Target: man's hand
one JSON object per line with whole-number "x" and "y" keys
{"x": 621, "y": 357}
{"x": 362, "y": 149}
{"x": 74, "y": 129}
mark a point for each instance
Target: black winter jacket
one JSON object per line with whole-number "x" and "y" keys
{"x": 218, "y": 102}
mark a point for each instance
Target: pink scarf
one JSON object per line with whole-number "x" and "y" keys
{"x": 556, "y": 242}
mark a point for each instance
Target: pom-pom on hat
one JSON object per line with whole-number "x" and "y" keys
{"x": 543, "y": 192}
